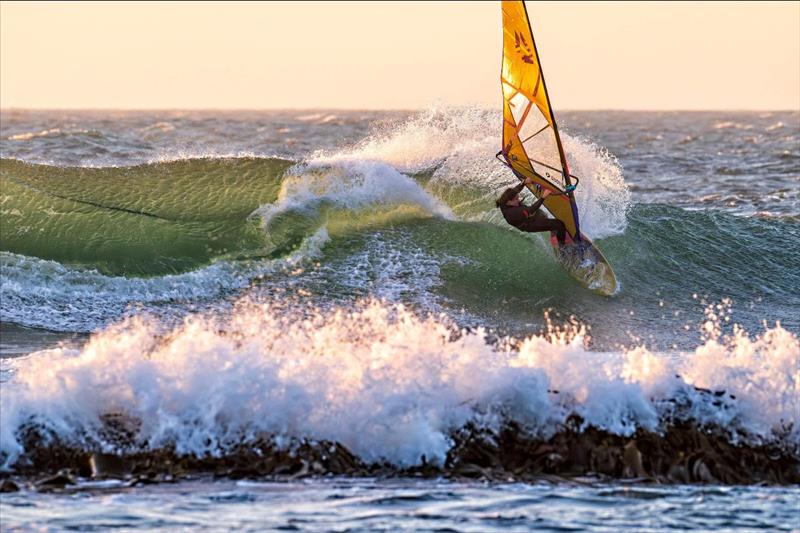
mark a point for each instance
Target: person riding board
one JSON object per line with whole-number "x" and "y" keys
{"x": 529, "y": 218}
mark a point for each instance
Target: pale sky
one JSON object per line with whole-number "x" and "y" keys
{"x": 387, "y": 55}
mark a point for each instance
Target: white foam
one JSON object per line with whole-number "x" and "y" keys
{"x": 390, "y": 266}
{"x": 426, "y": 139}
{"x": 160, "y": 126}
{"x": 33, "y": 134}
{"x": 763, "y": 373}
{"x": 173, "y": 155}
{"x": 729, "y": 124}
{"x": 386, "y": 383}
{"x": 602, "y": 195}
{"x": 348, "y": 184}
{"x": 317, "y": 118}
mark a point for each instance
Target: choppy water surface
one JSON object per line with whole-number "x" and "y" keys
{"x": 404, "y": 505}
{"x": 219, "y": 273}
{"x": 176, "y": 210}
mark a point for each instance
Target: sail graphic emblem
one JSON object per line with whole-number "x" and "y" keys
{"x": 522, "y": 48}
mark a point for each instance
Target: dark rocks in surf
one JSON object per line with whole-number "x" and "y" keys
{"x": 108, "y": 466}
{"x": 58, "y": 481}
{"x": 8, "y": 485}
{"x": 47, "y": 454}
{"x": 682, "y": 453}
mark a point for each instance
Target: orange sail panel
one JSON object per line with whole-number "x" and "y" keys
{"x": 531, "y": 145}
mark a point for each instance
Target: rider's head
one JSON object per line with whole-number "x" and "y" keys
{"x": 509, "y": 197}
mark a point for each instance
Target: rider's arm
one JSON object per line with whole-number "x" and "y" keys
{"x": 538, "y": 203}
{"x": 518, "y": 188}
{"x": 534, "y": 207}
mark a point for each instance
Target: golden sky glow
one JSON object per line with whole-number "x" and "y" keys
{"x": 387, "y": 55}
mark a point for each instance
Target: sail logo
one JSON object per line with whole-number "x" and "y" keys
{"x": 522, "y": 48}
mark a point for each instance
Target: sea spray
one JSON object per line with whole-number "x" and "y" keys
{"x": 387, "y": 383}
{"x": 458, "y": 145}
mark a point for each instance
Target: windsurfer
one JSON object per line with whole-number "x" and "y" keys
{"x": 529, "y": 218}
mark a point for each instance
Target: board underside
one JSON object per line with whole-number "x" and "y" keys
{"x": 587, "y": 265}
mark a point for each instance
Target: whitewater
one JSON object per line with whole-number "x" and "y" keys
{"x": 387, "y": 384}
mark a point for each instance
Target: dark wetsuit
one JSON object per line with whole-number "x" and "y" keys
{"x": 530, "y": 219}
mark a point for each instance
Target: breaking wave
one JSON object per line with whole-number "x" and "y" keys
{"x": 387, "y": 383}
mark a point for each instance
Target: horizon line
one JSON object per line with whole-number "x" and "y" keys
{"x": 403, "y": 110}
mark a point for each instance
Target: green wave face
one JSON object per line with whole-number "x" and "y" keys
{"x": 145, "y": 220}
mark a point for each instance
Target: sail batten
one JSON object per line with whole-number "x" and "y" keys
{"x": 531, "y": 144}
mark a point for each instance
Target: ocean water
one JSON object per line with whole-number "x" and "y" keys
{"x": 404, "y": 505}
{"x": 344, "y": 276}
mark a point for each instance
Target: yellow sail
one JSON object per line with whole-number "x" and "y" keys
{"x": 531, "y": 145}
